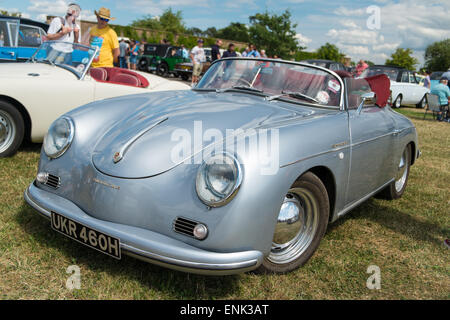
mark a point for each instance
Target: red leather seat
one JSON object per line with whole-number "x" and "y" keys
{"x": 127, "y": 79}
{"x": 99, "y": 74}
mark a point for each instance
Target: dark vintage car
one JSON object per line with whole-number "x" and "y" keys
{"x": 184, "y": 69}
{"x": 329, "y": 64}
{"x": 161, "y": 58}
{"x": 19, "y": 38}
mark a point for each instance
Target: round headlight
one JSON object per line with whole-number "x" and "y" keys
{"x": 218, "y": 180}
{"x": 59, "y": 137}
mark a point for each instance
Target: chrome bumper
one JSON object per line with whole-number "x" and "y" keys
{"x": 146, "y": 245}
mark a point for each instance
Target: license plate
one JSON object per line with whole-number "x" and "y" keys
{"x": 90, "y": 237}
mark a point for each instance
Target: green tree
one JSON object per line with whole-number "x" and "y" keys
{"x": 11, "y": 14}
{"x": 304, "y": 55}
{"x": 437, "y": 56}
{"x": 402, "y": 58}
{"x": 169, "y": 21}
{"x": 275, "y": 33}
{"x": 234, "y": 31}
{"x": 329, "y": 52}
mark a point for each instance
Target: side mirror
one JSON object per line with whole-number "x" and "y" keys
{"x": 368, "y": 100}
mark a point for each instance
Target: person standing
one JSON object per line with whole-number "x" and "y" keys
{"x": 64, "y": 29}
{"x": 184, "y": 52}
{"x": 198, "y": 58}
{"x": 427, "y": 81}
{"x": 253, "y": 52}
{"x": 246, "y": 51}
{"x": 230, "y": 52}
{"x": 215, "y": 50}
{"x": 104, "y": 37}
{"x": 124, "y": 48}
{"x": 263, "y": 54}
{"x": 360, "y": 67}
{"x": 443, "y": 92}
{"x": 134, "y": 51}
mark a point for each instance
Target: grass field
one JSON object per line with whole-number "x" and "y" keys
{"x": 404, "y": 238}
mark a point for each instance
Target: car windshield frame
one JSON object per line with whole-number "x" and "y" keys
{"x": 283, "y": 97}
{"x": 81, "y": 75}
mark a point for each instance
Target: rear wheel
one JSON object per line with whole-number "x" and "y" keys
{"x": 163, "y": 70}
{"x": 12, "y": 129}
{"x": 302, "y": 222}
{"x": 397, "y": 187}
{"x": 143, "y": 64}
{"x": 398, "y": 102}
{"x": 422, "y": 104}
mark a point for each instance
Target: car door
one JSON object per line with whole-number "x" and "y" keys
{"x": 372, "y": 142}
{"x": 8, "y": 39}
{"x": 29, "y": 39}
{"x": 407, "y": 88}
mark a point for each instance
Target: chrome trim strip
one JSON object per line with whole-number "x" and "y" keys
{"x": 188, "y": 264}
{"x": 315, "y": 155}
{"x": 119, "y": 155}
{"x": 358, "y": 202}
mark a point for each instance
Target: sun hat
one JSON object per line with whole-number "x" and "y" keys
{"x": 200, "y": 40}
{"x": 104, "y": 13}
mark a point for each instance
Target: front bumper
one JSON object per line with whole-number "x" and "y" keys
{"x": 147, "y": 245}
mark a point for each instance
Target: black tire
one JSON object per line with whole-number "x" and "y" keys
{"x": 298, "y": 254}
{"x": 184, "y": 76}
{"x": 398, "y": 102}
{"x": 143, "y": 64}
{"x": 12, "y": 129}
{"x": 162, "y": 70}
{"x": 396, "y": 189}
{"x": 422, "y": 103}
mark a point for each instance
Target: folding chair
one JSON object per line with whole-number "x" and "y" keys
{"x": 433, "y": 105}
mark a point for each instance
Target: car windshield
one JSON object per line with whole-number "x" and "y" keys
{"x": 76, "y": 58}
{"x": 275, "y": 79}
{"x": 373, "y": 71}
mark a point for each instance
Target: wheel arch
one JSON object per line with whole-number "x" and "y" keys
{"x": 329, "y": 181}
{"x": 413, "y": 152}
{"x": 23, "y": 111}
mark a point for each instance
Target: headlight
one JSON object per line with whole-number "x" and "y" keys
{"x": 218, "y": 180}
{"x": 59, "y": 137}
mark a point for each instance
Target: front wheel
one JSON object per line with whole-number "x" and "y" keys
{"x": 162, "y": 70}
{"x": 12, "y": 129}
{"x": 397, "y": 187}
{"x": 302, "y": 222}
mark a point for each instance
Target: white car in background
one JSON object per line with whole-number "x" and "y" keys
{"x": 405, "y": 87}
{"x": 35, "y": 93}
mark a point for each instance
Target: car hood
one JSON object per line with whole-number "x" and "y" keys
{"x": 144, "y": 141}
{"x": 34, "y": 70}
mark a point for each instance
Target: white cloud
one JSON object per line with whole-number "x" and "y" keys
{"x": 302, "y": 40}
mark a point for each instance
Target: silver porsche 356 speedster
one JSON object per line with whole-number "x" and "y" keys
{"x": 245, "y": 171}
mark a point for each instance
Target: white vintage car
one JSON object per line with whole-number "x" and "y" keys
{"x": 405, "y": 86}
{"x": 55, "y": 80}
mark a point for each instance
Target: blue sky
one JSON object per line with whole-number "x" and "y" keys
{"x": 403, "y": 23}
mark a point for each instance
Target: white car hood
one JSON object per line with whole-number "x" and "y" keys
{"x": 38, "y": 70}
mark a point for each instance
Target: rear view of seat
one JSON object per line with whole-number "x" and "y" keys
{"x": 99, "y": 74}
{"x": 126, "y": 79}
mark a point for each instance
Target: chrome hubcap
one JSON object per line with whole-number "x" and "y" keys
{"x": 398, "y": 102}
{"x": 296, "y": 226}
{"x": 7, "y": 130}
{"x": 402, "y": 172}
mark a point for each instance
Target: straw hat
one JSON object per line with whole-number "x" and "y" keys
{"x": 104, "y": 13}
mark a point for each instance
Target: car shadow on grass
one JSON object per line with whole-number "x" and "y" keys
{"x": 28, "y": 146}
{"x": 169, "y": 284}
{"x": 395, "y": 220}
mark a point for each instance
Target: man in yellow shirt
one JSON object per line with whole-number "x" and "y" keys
{"x": 105, "y": 38}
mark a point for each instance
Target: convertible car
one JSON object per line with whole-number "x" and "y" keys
{"x": 34, "y": 93}
{"x": 244, "y": 171}
{"x": 405, "y": 86}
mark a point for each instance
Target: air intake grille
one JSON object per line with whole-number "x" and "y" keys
{"x": 53, "y": 181}
{"x": 184, "y": 226}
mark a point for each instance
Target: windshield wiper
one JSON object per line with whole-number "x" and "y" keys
{"x": 292, "y": 94}
{"x": 240, "y": 88}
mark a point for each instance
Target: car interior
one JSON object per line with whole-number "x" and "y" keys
{"x": 119, "y": 76}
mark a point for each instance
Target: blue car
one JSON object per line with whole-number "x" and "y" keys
{"x": 19, "y": 38}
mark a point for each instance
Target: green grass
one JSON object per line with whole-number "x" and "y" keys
{"x": 404, "y": 238}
